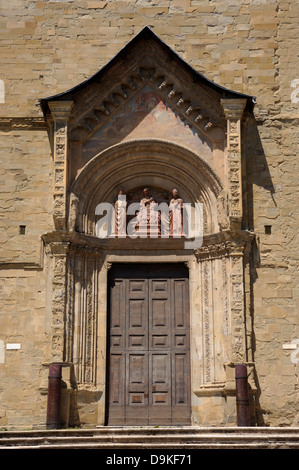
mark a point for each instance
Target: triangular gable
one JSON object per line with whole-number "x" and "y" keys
{"x": 145, "y": 60}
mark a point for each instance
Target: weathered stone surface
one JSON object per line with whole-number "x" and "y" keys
{"x": 249, "y": 47}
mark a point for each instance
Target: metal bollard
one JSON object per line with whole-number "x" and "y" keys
{"x": 54, "y": 397}
{"x": 242, "y": 395}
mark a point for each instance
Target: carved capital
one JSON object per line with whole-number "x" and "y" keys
{"x": 72, "y": 244}
{"x": 60, "y": 110}
{"x": 220, "y": 250}
{"x": 108, "y": 265}
{"x": 233, "y": 108}
{"x": 59, "y": 248}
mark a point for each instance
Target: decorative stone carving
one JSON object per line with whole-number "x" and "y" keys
{"x": 220, "y": 250}
{"x": 76, "y": 264}
{"x": 73, "y": 211}
{"x": 59, "y": 251}
{"x": 207, "y": 321}
{"x": 60, "y": 112}
{"x": 222, "y": 211}
{"x": 23, "y": 123}
{"x": 233, "y": 109}
{"x": 203, "y": 185}
{"x": 222, "y": 260}
{"x": 153, "y": 219}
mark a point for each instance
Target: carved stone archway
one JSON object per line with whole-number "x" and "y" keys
{"x": 78, "y": 261}
{"x": 145, "y": 162}
{"x": 216, "y": 272}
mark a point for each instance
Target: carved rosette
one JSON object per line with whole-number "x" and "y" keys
{"x": 60, "y": 111}
{"x": 233, "y": 109}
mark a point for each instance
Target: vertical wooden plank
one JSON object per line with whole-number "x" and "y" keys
{"x": 181, "y": 383}
{"x": 117, "y": 379}
{"x": 136, "y": 388}
{"x": 117, "y": 365}
{"x": 160, "y": 388}
{"x": 136, "y": 314}
{"x": 117, "y": 390}
{"x": 179, "y": 304}
{"x": 180, "y": 375}
{"x": 136, "y": 349}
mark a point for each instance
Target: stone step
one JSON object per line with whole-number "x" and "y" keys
{"x": 152, "y": 438}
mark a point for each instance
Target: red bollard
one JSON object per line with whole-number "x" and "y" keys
{"x": 242, "y": 395}
{"x": 54, "y": 397}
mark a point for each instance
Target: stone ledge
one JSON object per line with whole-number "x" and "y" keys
{"x": 23, "y": 123}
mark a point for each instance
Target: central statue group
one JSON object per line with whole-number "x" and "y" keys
{"x": 154, "y": 217}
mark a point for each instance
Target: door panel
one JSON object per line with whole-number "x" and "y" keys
{"x": 149, "y": 372}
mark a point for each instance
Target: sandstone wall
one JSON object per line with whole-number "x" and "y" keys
{"x": 250, "y": 46}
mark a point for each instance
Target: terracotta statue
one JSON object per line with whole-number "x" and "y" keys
{"x": 120, "y": 212}
{"x": 176, "y": 215}
{"x": 147, "y": 217}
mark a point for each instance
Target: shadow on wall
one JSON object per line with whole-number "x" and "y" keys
{"x": 255, "y": 173}
{"x": 255, "y": 169}
{"x": 78, "y": 407}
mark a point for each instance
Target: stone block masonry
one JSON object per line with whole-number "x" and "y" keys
{"x": 47, "y": 47}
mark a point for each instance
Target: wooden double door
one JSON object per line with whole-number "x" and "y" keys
{"x": 149, "y": 345}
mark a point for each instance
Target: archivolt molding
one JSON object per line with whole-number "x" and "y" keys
{"x": 137, "y": 163}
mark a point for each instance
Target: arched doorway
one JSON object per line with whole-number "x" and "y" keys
{"x": 147, "y": 121}
{"x": 164, "y": 271}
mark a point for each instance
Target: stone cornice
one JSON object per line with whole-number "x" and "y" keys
{"x": 23, "y": 123}
{"x": 214, "y": 246}
{"x": 233, "y": 108}
{"x": 60, "y": 110}
{"x": 225, "y": 244}
{"x": 63, "y": 243}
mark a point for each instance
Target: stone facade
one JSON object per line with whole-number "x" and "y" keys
{"x": 62, "y": 156}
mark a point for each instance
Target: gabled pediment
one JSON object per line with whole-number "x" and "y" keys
{"x": 146, "y": 61}
{"x": 147, "y": 93}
